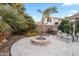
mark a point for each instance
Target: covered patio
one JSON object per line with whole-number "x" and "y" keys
{"x": 74, "y": 19}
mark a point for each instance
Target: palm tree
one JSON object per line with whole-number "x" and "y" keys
{"x": 18, "y": 22}
{"x": 4, "y": 30}
{"x": 19, "y": 7}
{"x": 46, "y": 14}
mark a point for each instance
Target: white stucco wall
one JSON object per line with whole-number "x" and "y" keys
{"x": 53, "y": 21}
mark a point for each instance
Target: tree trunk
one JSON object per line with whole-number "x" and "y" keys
{"x": 1, "y": 37}
{"x": 4, "y": 35}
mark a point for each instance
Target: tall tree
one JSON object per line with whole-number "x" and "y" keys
{"x": 18, "y": 22}
{"x": 18, "y": 7}
{"x": 46, "y": 13}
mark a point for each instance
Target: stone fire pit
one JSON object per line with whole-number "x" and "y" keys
{"x": 40, "y": 41}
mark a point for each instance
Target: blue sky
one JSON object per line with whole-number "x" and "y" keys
{"x": 63, "y": 10}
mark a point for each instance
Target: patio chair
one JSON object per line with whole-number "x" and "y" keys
{"x": 64, "y": 37}
{"x": 59, "y": 35}
{"x": 69, "y": 37}
{"x": 77, "y": 35}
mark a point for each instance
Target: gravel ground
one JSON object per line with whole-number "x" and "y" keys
{"x": 56, "y": 47}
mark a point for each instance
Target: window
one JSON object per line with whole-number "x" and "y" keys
{"x": 49, "y": 20}
{"x": 56, "y": 23}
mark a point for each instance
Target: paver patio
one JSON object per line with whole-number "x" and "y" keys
{"x": 24, "y": 47}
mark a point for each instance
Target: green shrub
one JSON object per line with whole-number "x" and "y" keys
{"x": 65, "y": 26}
{"x": 29, "y": 34}
{"x": 50, "y": 31}
{"x": 5, "y": 30}
{"x": 4, "y": 26}
{"x": 20, "y": 23}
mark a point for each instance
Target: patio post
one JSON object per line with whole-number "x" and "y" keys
{"x": 73, "y": 33}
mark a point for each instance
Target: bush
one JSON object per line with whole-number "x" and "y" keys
{"x": 4, "y": 26}
{"x": 49, "y": 31}
{"x": 29, "y": 34}
{"x": 4, "y": 30}
{"x": 65, "y": 26}
{"x": 20, "y": 23}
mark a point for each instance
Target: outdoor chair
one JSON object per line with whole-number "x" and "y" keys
{"x": 59, "y": 35}
{"x": 69, "y": 37}
{"x": 65, "y": 37}
{"x": 75, "y": 38}
{"x": 77, "y": 35}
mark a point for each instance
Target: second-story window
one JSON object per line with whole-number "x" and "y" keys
{"x": 49, "y": 20}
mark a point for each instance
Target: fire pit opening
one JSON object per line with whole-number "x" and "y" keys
{"x": 40, "y": 41}
{"x": 41, "y": 38}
